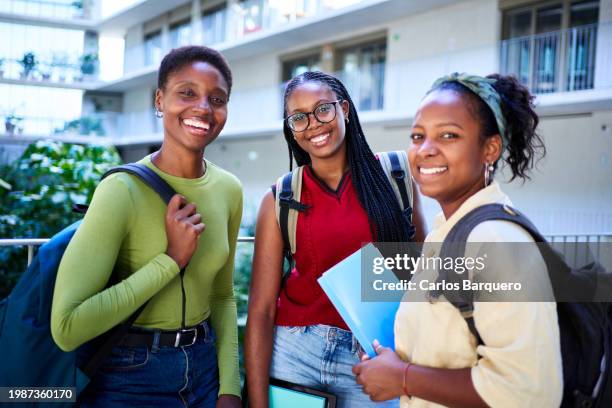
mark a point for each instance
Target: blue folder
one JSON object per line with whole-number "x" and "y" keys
{"x": 367, "y": 320}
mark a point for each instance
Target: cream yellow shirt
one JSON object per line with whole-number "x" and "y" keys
{"x": 519, "y": 364}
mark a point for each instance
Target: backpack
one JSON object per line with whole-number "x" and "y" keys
{"x": 585, "y": 327}
{"x": 288, "y": 192}
{"x": 30, "y": 357}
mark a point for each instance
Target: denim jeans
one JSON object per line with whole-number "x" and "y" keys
{"x": 321, "y": 357}
{"x": 132, "y": 377}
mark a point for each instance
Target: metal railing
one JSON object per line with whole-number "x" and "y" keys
{"x": 32, "y": 243}
{"x": 564, "y": 239}
{"x": 32, "y": 125}
{"x": 365, "y": 84}
{"x": 581, "y": 249}
{"x": 229, "y": 25}
{"x": 557, "y": 61}
{"x": 48, "y": 8}
{"x": 58, "y": 70}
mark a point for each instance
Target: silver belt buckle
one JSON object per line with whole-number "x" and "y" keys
{"x": 180, "y": 333}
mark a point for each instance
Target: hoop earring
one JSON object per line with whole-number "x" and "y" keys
{"x": 347, "y": 120}
{"x": 488, "y": 173}
{"x": 158, "y": 114}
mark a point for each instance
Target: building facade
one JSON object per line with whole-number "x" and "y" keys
{"x": 387, "y": 52}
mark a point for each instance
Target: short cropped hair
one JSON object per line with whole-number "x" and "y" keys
{"x": 180, "y": 57}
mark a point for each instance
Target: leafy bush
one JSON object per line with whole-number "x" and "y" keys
{"x": 242, "y": 278}
{"x": 45, "y": 182}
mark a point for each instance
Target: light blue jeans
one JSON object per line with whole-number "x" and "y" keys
{"x": 321, "y": 357}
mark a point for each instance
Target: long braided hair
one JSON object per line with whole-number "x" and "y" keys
{"x": 374, "y": 191}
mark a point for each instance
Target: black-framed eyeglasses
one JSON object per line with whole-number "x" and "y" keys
{"x": 323, "y": 112}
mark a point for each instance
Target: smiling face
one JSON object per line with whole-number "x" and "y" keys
{"x": 448, "y": 155}
{"x": 319, "y": 140}
{"x": 194, "y": 104}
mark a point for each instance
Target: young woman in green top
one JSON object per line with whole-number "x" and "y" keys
{"x": 183, "y": 348}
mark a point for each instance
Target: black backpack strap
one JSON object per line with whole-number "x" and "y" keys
{"x": 285, "y": 200}
{"x": 148, "y": 176}
{"x": 115, "y": 335}
{"x": 455, "y": 243}
{"x": 472, "y": 326}
{"x": 490, "y": 212}
{"x": 397, "y": 171}
{"x": 398, "y": 175}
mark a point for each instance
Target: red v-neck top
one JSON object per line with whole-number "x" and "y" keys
{"x": 334, "y": 226}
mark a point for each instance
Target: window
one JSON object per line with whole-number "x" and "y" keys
{"x": 551, "y": 46}
{"x": 298, "y": 66}
{"x": 180, "y": 34}
{"x": 213, "y": 25}
{"x": 362, "y": 69}
{"x": 153, "y": 48}
{"x": 251, "y": 12}
{"x": 581, "y": 45}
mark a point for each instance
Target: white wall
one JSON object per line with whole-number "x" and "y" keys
{"x": 256, "y": 162}
{"x": 138, "y": 99}
{"x": 138, "y": 113}
{"x": 572, "y": 190}
{"x": 256, "y": 94}
{"x": 420, "y": 48}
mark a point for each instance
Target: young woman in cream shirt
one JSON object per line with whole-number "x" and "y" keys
{"x": 464, "y": 128}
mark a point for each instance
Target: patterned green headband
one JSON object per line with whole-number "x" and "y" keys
{"x": 484, "y": 89}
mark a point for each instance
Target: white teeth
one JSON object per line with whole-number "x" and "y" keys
{"x": 196, "y": 123}
{"x": 320, "y": 138}
{"x": 432, "y": 170}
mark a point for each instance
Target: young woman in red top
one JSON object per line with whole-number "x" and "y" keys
{"x": 294, "y": 333}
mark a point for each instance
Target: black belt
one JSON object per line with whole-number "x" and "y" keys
{"x": 162, "y": 338}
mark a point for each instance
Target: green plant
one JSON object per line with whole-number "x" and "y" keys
{"x": 46, "y": 181}
{"x": 87, "y": 125}
{"x": 28, "y": 62}
{"x": 89, "y": 63}
{"x": 11, "y": 121}
{"x": 242, "y": 279}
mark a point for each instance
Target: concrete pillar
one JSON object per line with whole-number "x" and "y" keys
{"x": 232, "y": 20}
{"x": 327, "y": 58}
{"x": 166, "y": 44}
{"x": 603, "y": 54}
{"x": 133, "y": 54}
{"x": 196, "y": 22}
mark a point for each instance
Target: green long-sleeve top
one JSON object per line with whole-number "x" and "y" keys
{"x": 123, "y": 235}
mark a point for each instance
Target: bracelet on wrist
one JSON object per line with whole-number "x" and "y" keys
{"x": 404, "y": 383}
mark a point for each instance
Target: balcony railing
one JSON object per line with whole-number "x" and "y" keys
{"x": 553, "y": 62}
{"x": 90, "y": 125}
{"x": 365, "y": 85}
{"x": 65, "y": 10}
{"x": 58, "y": 71}
{"x": 229, "y": 25}
{"x": 390, "y": 91}
{"x": 32, "y": 243}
